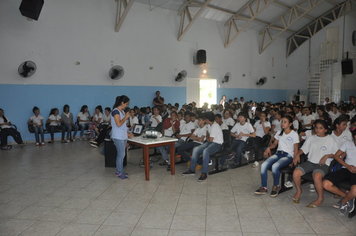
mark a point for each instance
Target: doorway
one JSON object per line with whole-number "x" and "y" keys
{"x": 202, "y": 91}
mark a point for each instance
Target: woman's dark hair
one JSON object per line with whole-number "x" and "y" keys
{"x": 108, "y": 109}
{"x": 83, "y": 108}
{"x": 53, "y": 110}
{"x": 322, "y": 123}
{"x": 158, "y": 108}
{"x": 339, "y": 120}
{"x": 5, "y": 119}
{"x": 120, "y": 100}
{"x": 290, "y": 120}
{"x": 208, "y": 116}
{"x": 66, "y": 107}
{"x": 143, "y": 110}
{"x": 100, "y": 108}
{"x": 35, "y": 109}
{"x": 281, "y": 113}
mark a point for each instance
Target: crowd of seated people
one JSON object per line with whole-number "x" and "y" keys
{"x": 282, "y": 133}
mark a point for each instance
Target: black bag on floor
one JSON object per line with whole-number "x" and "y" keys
{"x": 110, "y": 154}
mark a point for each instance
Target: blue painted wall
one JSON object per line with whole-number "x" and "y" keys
{"x": 346, "y": 93}
{"x": 258, "y": 95}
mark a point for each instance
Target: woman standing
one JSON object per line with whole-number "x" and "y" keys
{"x": 119, "y": 133}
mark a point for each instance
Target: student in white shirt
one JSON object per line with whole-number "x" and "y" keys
{"x": 320, "y": 148}
{"x": 186, "y": 129}
{"x": 68, "y": 124}
{"x": 156, "y": 118}
{"x": 36, "y": 121}
{"x": 106, "y": 116}
{"x": 8, "y": 130}
{"x": 307, "y": 118}
{"x": 133, "y": 120}
{"x": 103, "y": 128}
{"x": 54, "y": 122}
{"x": 340, "y": 133}
{"x": 334, "y": 113}
{"x": 262, "y": 128}
{"x": 287, "y": 146}
{"x": 214, "y": 142}
{"x": 219, "y": 120}
{"x": 227, "y": 120}
{"x": 197, "y": 138}
{"x": 241, "y": 132}
{"x": 83, "y": 120}
{"x": 276, "y": 123}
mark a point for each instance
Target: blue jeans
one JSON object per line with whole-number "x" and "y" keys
{"x": 164, "y": 150}
{"x": 120, "y": 150}
{"x": 38, "y": 132}
{"x": 238, "y": 146}
{"x": 83, "y": 127}
{"x": 275, "y": 163}
{"x": 206, "y": 149}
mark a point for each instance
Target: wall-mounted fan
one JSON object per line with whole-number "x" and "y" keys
{"x": 116, "y": 72}
{"x": 226, "y": 78}
{"x": 27, "y": 69}
{"x": 261, "y": 81}
{"x": 181, "y": 76}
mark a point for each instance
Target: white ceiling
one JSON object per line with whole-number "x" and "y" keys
{"x": 271, "y": 14}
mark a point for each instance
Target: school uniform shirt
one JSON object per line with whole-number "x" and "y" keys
{"x": 307, "y": 120}
{"x": 118, "y": 132}
{"x": 196, "y": 124}
{"x": 316, "y": 147}
{"x": 286, "y": 142}
{"x": 229, "y": 121}
{"x": 67, "y": 118}
{"x": 168, "y": 127}
{"x": 224, "y": 126}
{"x": 37, "y": 120}
{"x": 259, "y": 129}
{"x": 154, "y": 122}
{"x": 83, "y": 116}
{"x": 55, "y": 120}
{"x": 133, "y": 121}
{"x": 97, "y": 117}
{"x": 333, "y": 115}
{"x": 315, "y": 115}
{"x": 349, "y": 148}
{"x": 106, "y": 119}
{"x": 345, "y": 136}
{"x": 216, "y": 133}
{"x": 245, "y": 128}
{"x": 296, "y": 125}
{"x": 308, "y": 133}
{"x": 200, "y": 132}
{"x": 299, "y": 116}
{"x": 277, "y": 125}
{"x": 186, "y": 128}
{"x": 3, "y": 121}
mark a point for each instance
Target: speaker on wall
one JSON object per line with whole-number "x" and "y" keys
{"x": 201, "y": 57}
{"x": 347, "y": 67}
{"x": 31, "y": 8}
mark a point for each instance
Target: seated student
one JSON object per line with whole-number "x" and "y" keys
{"x": 214, "y": 142}
{"x": 262, "y": 127}
{"x": 36, "y": 121}
{"x": 193, "y": 118}
{"x": 320, "y": 148}
{"x": 219, "y": 120}
{"x": 241, "y": 132}
{"x": 346, "y": 173}
{"x": 156, "y": 118}
{"x": 6, "y": 129}
{"x": 307, "y": 119}
{"x": 103, "y": 129}
{"x": 68, "y": 124}
{"x": 196, "y": 139}
{"x": 54, "y": 122}
{"x": 83, "y": 120}
{"x": 297, "y": 112}
{"x": 133, "y": 120}
{"x": 287, "y": 146}
{"x": 96, "y": 120}
{"x": 228, "y": 121}
{"x": 340, "y": 133}
{"x": 170, "y": 128}
{"x": 186, "y": 128}
{"x": 276, "y": 123}
{"x": 143, "y": 117}
{"x": 334, "y": 112}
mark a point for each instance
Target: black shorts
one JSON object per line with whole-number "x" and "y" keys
{"x": 340, "y": 176}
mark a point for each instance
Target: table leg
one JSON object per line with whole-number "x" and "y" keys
{"x": 172, "y": 155}
{"x": 146, "y": 160}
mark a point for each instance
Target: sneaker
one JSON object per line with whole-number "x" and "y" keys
{"x": 351, "y": 204}
{"x": 311, "y": 188}
{"x": 344, "y": 209}
{"x": 337, "y": 205}
{"x": 37, "y": 144}
{"x": 275, "y": 191}
{"x": 210, "y": 163}
{"x": 261, "y": 191}
{"x": 288, "y": 184}
{"x": 93, "y": 142}
{"x": 202, "y": 177}
{"x": 231, "y": 156}
{"x": 188, "y": 172}
{"x": 43, "y": 144}
{"x": 123, "y": 176}
{"x": 255, "y": 164}
{"x": 94, "y": 145}
{"x": 163, "y": 163}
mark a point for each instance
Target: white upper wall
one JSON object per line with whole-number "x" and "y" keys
{"x": 83, "y": 30}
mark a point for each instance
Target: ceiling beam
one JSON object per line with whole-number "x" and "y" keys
{"x": 287, "y": 19}
{"x": 122, "y": 9}
{"x": 185, "y": 14}
{"x": 286, "y": 6}
{"x": 309, "y": 30}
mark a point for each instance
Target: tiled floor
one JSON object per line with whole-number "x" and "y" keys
{"x": 64, "y": 189}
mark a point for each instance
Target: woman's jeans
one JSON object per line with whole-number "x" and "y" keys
{"x": 120, "y": 150}
{"x": 206, "y": 149}
{"x": 238, "y": 146}
{"x": 39, "y": 131}
{"x": 69, "y": 128}
{"x": 275, "y": 163}
{"x": 83, "y": 127}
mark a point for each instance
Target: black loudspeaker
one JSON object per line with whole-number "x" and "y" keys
{"x": 201, "y": 57}
{"x": 31, "y": 8}
{"x": 347, "y": 67}
{"x": 110, "y": 154}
